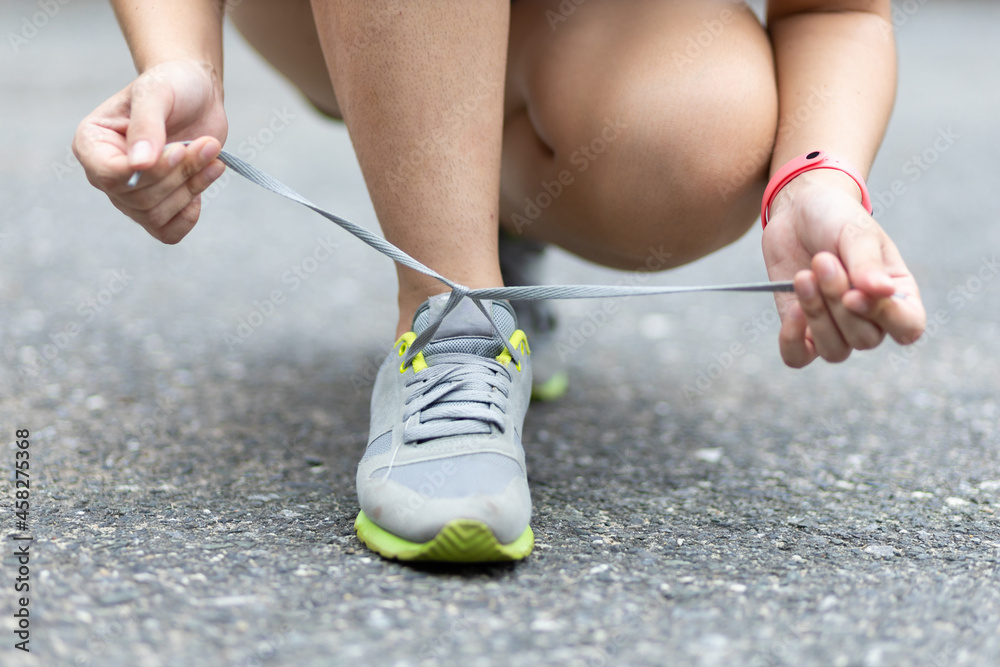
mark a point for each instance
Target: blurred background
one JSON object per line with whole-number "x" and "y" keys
{"x": 194, "y": 445}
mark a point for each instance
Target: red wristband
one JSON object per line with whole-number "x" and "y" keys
{"x": 802, "y": 164}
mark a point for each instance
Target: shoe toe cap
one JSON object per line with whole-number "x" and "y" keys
{"x": 416, "y": 500}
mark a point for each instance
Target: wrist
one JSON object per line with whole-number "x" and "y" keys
{"x": 796, "y": 171}
{"x": 810, "y": 181}
{"x": 203, "y": 68}
{"x": 180, "y": 30}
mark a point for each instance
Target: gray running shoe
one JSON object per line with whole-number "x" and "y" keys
{"x": 520, "y": 264}
{"x": 443, "y": 477}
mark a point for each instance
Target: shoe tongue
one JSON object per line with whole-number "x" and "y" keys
{"x": 466, "y": 329}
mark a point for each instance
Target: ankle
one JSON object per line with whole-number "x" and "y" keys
{"x": 408, "y": 302}
{"x": 412, "y": 295}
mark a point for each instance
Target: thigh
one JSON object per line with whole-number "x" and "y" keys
{"x": 284, "y": 33}
{"x": 662, "y": 114}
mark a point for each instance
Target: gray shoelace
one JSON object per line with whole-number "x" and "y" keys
{"x": 458, "y": 291}
{"x": 455, "y": 395}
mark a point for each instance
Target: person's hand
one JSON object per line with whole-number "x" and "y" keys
{"x": 174, "y": 101}
{"x": 849, "y": 276}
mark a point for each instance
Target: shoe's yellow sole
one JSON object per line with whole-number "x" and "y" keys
{"x": 460, "y": 541}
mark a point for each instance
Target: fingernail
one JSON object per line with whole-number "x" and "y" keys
{"x": 207, "y": 152}
{"x": 174, "y": 155}
{"x": 142, "y": 151}
{"x": 808, "y": 289}
{"x": 861, "y": 307}
{"x": 214, "y": 170}
{"x": 826, "y": 269}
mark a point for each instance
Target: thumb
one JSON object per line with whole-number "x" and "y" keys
{"x": 151, "y": 101}
{"x": 864, "y": 260}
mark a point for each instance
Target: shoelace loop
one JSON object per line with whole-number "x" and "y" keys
{"x": 527, "y": 293}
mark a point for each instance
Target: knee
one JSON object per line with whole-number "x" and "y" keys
{"x": 674, "y": 154}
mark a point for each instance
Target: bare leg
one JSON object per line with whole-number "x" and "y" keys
{"x": 420, "y": 86}
{"x": 284, "y": 32}
{"x": 684, "y": 132}
{"x": 664, "y": 143}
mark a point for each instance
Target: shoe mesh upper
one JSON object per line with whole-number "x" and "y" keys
{"x": 481, "y": 346}
{"x": 379, "y": 445}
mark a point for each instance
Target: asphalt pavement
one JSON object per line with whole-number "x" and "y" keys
{"x": 196, "y": 414}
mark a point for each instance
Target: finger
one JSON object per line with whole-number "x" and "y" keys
{"x": 101, "y": 152}
{"x": 862, "y": 252}
{"x": 857, "y": 332}
{"x": 901, "y": 314}
{"x": 172, "y": 218}
{"x": 175, "y": 229}
{"x": 105, "y": 166}
{"x": 178, "y": 164}
{"x": 143, "y": 188}
{"x": 903, "y": 317}
{"x": 182, "y": 223}
{"x": 165, "y": 211}
{"x": 796, "y": 347}
{"x": 151, "y": 101}
{"x": 829, "y": 342}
